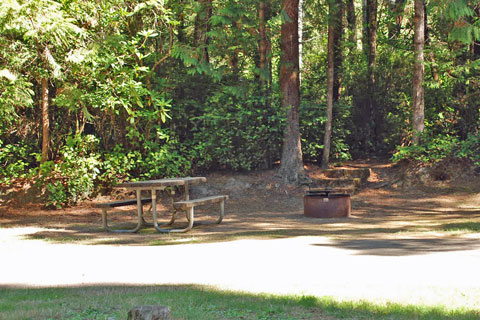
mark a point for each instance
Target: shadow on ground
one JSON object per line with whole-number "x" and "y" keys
{"x": 404, "y": 247}
{"x": 383, "y": 222}
{"x": 200, "y": 302}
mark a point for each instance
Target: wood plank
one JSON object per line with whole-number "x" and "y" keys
{"x": 200, "y": 201}
{"x": 121, "y": 203}
{"x": 162, "y": 183}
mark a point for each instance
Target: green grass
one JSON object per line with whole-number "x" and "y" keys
{"x": 194, "y": 302}
{"x": 462, "y": 227}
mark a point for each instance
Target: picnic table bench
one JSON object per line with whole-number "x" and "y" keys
{"x": 121, "y": 203}
{"x": 189, "y": 205}
{"x": 153, "y": 186}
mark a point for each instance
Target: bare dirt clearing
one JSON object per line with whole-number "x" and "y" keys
{"x": 389, "y": 216}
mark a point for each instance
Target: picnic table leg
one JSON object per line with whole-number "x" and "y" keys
{"x": 190, "y": 218}
{"x": 141, "y": 219}
{"x": 219, "y": 220}
{"x": 155, "y": 214}
{"x": 189, "y": 226}
{"x": 222, "y": 212}
{"x": 140, "y": 223}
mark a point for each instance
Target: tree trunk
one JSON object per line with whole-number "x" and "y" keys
{"x": 364, "y": 27}
{"x": 352, "y": 22}
{"x": 291, "y": 165}
{"x": 372, "y": 62}
{"x": 207, "y": 30}
{"x": 372, "y": 125}
{"x": 397, "y": 8}
{"x": 264, "y": 74}
{"x": 263, "y": 42}
{"x": 202, "y": 27}
{"x": 426, "y": 31}
{"x": 45, "y": 121}
{"x": 372, "y": 37}
{"x": 300, "y": 40}
{"x": 330, "y": 84}
{"x": 337, "y": 23}
{"x": 419, "y": 69}
{"x": 370, "y": 33}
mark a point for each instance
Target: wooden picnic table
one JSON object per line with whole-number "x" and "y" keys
{"x": 157, "y": 185}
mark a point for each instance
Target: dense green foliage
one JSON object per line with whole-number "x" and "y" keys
{"x": 146, "y": 89}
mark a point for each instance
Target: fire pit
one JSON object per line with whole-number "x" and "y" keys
{"x": 326, "y": 204}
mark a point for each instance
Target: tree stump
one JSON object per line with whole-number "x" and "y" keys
{"x": 149, "y": 313}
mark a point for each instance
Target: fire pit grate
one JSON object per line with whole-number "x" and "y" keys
{"x": 326, "y": 203}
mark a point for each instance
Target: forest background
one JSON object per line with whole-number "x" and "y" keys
{"x": 96, "y": 92}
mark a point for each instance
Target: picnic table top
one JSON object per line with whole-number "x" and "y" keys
{"x": 159, "y": 183}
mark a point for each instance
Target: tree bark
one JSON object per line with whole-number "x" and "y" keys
{"x": 263, "y": 42}
{"x": 291, "y": 165}
{"x": 337, "y": 23}
{"x": 330, "y": 85}
{"x": 419, "y": 69}
{"x": 372, "y": 37}
{"x": 397, "y": 8}
{"x": 352, "y": 22}
{"x": 426, "y": 30}
{"x": 372, "y": 62}
{"x": 374, "y": 120}
{"x": 264, "y": 74}
{"x": 300, "y": 40}
{"x": 370, "y": 32}
{"x": 202, "y": 27}
{"x": 207, "y": 30}
{"x": 45, "y": 121}
{"x": 364, "y": 26}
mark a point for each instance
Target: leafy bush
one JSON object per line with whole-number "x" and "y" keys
{"x": 470, "y": 149}
{"x": 439, "y": 147}
{"x": 167, "y": 160}
{"x": 56, "y": 195}
{"x": 156, "y": 161}
{"x": 118, "y": 164}
{"x": 312, "y": 126}
{"x": 80, "y": 172}
{"x": 16, "y": 161}
{"x": 432, "y": 149}
{"x": 237, "y": 131}
{"x": 72, "y": 177}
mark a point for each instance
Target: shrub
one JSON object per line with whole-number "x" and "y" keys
{"x": 16, "y": 161}
{"x": 439, "y": 147}
{"x": 470, "y": 149}
{"x": 312, "y": 126}
{"x": 238, "y": 130}
{"x": 432, "y": 149}
{"x": 72, "y": 177}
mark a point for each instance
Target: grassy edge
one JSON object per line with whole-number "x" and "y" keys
{"x": 202, "y": 302}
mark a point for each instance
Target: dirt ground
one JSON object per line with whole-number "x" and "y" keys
{"x": 398, "y": 211}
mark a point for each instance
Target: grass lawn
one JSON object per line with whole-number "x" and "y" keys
{"x": 194, "y": 302}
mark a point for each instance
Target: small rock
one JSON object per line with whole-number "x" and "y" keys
{"x": 149, "y": 313}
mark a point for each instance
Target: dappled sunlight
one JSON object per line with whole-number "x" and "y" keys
{"x": 376, "y": 215}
